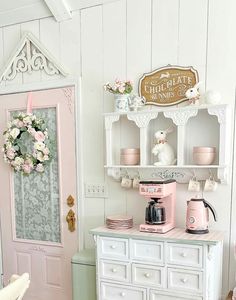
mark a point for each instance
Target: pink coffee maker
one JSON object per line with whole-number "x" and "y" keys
{"x": 160, "y": 212}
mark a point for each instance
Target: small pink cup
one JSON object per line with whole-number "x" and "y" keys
{"x": 204, "y": 155}
{"x": 130, "y": 156}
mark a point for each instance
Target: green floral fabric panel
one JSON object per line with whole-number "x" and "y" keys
{"x": 37, "y": 203}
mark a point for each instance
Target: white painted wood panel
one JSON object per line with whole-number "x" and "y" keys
{"x": 2, "y": 60}
{"x": 70, "y": 44}
{"x": 92, "y": 80}
{"x": 192, "y": 47}
{"x": 221, "y": 74}
{"x": 114, "y": 43}
{"x": 165, "y": 25}
{"x": 52, "y": 41}
{"x": 139, "y": 18}
{"x": 114, "y": 57}
{"x": 221, "y": 62}
{"x": 1, "y": 48}
{"x": 33, "y": 27}
{"x": 11, "y": 35}
{"x": 92, "y": 106}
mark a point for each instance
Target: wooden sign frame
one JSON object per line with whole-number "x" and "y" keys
{"x": 167, "y": 85}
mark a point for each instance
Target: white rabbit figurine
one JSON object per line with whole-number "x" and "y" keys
{"x": 193, "y": 94}
{"x": 162, "y": 149}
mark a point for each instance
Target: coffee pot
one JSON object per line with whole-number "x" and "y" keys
{"x": 197, "y": 217}
{"x": 155, "y": 212}
{"x": 160, "y": 212}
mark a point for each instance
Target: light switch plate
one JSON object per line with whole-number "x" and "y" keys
{"x": 95, "y": 190}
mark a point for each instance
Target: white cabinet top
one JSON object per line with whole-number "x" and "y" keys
{"x": 176, "y": 235}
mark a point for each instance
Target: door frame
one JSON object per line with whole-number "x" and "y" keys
{"x": 232, "y": 231}
{"x": 62, "y": 83}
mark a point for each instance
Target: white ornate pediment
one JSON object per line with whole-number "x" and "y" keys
{"x": 29, "y": 56}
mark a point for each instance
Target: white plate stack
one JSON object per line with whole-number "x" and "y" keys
{"x": 119, "y": 222}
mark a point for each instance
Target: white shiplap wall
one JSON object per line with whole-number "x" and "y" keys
{"x": 126, "y": 38}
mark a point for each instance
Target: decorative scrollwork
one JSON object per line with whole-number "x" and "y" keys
{"x": 30, "y": 58}
{"x": 142, "y": 120}
{"x": 180, "y": 118}
{"x": 167, "y": 174}
{"x": 68, "y": 95}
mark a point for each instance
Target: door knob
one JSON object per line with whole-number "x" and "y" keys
{"x": 70, "y": 219}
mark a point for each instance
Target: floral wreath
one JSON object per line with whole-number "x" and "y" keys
{"x": 24, "y": 124}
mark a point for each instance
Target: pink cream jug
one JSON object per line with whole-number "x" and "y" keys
{"x": 197, "y": 217}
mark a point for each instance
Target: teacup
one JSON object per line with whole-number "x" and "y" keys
{"x": 210, "y": 185}
{"x": 194, "y": 185}
{"x": 126, "y": 182}
{"x": 136, "y": 181}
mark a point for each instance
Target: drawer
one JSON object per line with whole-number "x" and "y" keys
{"x": 185, "y": 280}
{"x": 186, "y": 255}
{"x": 145, "y": 275}
{"x": 147, "y": 251}
{"x": 114, "y": 248}
{"x": 159, "y": 295}
{"x": 115, "y": 270}
{"x": 119, "y": 292}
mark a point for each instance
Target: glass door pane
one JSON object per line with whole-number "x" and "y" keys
{"x": 36, "y": 196}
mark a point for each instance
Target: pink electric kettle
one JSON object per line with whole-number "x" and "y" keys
{"x": 197, "y": 217}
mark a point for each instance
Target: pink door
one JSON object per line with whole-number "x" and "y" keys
{"x": 35, "y": 234}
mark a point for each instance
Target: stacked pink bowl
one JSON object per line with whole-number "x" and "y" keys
{"x": 130, "y": 156}
{"x": 204, "y": 155}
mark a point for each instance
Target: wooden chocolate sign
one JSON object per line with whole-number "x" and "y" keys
{"x": 167, "y": 85}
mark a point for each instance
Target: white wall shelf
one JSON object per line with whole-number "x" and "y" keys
{"x": 205, "y": 125}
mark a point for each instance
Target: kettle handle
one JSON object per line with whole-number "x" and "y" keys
{"x": 207, "y": 204}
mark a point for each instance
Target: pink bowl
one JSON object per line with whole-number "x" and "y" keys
{"x": 203, "y": 158}
{"x": 129, "y": 150}
{"x": 204, "y": 149}
{"x": 130, "y": 156}
{"x": 130, "y": 159}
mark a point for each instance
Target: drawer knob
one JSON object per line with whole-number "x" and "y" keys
{"x": 184, "y": 280}
{"x": 183, "y": 254}
{"x": 122, "y": 294}
{"x": 113, "y": 270}
{"x": 113, "y": 246}
{"x": 147, "y": 275}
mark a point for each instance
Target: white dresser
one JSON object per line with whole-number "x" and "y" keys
{"x": 133, "y": 265}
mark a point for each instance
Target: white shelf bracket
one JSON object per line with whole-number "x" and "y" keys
{"x": 223, "y": 117}
{"x": 142, "y": 120}
{"x": 109, "y": 120}
{"x": 180, "y": 119}
{"x": 222, "y": 175}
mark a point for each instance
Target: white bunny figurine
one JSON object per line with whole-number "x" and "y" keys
{"x": 193, "y": 94}
{"x": 162, "y": 149}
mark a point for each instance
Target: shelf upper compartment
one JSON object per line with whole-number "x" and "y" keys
{"x": 203, "y": 125}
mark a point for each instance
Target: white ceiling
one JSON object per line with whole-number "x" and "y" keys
{"x": 6, "y": 5}
{"x": 18, "y": 11}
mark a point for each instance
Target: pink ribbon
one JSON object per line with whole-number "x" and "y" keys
{"x": 29, "y": 103}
